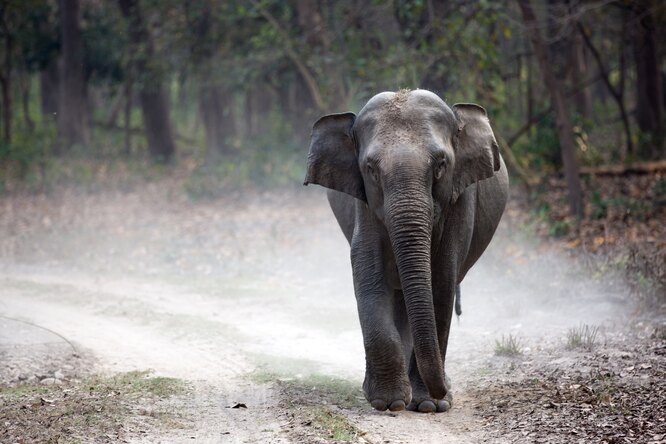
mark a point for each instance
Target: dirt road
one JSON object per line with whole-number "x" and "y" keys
{"x": 249, "y": 298}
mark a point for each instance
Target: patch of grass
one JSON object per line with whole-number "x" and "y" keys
{"x": 508, "y": 346}
{"x": 584, "y": 336}
{"x": 94, "y": 409}
{"x": 23, "y": 390}
{"x": 142, "y": 383}
{"x": 307, "y": 398}
{"x": 334, "y": 426}
{"x": 300, "y": 389}
{"x": 337, "y": 390}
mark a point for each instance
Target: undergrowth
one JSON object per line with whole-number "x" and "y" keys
{"x": 95, "y": 409}
{"x": 584, "y": 336}
{"x": 508, "y": 346}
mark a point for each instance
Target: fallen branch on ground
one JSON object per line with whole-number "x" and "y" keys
{"x": 633, "y": 168}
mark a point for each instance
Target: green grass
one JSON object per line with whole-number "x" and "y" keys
{"x": 309, "y": 397}
{"x": 334, "y": 426}
{"x": 301, "y": 389}
{"x": 582, "y": 337}
{"x": 508, "y": 346}
{"x": 142, "y": 382}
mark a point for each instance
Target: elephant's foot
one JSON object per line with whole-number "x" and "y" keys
{"x": 422, "y": 402}
{"x": 382, "y": 395}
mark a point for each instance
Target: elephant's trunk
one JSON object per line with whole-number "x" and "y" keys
{"x": 409, "y": 222}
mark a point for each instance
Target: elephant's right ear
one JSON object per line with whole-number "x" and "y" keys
{"x": 332, "y": 160}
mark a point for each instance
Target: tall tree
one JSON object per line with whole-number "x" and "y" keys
{"x": 48, "y": 88}
{"x": 579, "y": 67}
{"x": 563, "y": 122}
{"x": 72, "y": 112}
{"x": 6, "y": 70}
{"x": 616, "y": 91}
{"x": 207, "y": 53}
{"x": 318, "y": 41}
{"x": 649, "y": 104}
{"x": 152, "y": 94}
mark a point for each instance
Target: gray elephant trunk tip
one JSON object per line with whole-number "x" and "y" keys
{"x": 458, "y": 306}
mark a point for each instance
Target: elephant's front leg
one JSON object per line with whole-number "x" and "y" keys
{"x": 386, "y": 383}
{"x": 443, "y": 302}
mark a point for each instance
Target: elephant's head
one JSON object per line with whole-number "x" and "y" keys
{"x": 409, "y": 157}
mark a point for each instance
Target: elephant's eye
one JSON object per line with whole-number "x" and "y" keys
{"x": 439, "y": 169}
{"x": 372, "y": 171}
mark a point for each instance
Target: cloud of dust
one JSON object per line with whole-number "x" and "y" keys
{"x": 268, "y": 274}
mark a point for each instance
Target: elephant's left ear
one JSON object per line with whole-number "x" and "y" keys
{"x": 332, "y": 160}
{"x": 476, "y": 150}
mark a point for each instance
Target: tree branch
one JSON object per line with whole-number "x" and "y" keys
{"x": 291, "y": 53}
{"x": 617, "y": 94}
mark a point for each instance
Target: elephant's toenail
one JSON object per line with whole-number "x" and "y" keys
{"x": 397, "y": 405}
{"x": 427, "y": 407}
{"x": 443, "y": 405}
{"x": 379, "y": 404}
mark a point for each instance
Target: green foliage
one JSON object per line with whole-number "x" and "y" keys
{"x": 27, "y": 150}
{"x": 659, "y": 192}
{"x": 270, "y": 159}
{"x": 560, "y": 228}
{"x": 556, "y": 227}
{"x": 33, "y": 27}
{"x": 472, "y": 51}
{"x": 599, "y": 206}
{"x": 104, "y": 44}
{"x": 542, "y": 149}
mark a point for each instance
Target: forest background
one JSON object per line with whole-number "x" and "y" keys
{"x": 222, "y": 94}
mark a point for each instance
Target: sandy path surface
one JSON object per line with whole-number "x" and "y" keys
{"x": 216, "y": 292}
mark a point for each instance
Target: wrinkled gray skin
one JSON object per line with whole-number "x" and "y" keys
{"x": 418, "y": 189}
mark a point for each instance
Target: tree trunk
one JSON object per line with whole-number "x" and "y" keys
{"x": 258, "y": 103}
{"x": 155, "y": 111}
{"x": 217, "y": 118}
{"x": 312, "y": 24}
{"x": 72, "y": 112}
{"x": 48, "y": 88}
{"x": 128, "y": 110}
{"x": 564, "y": 127}
{"x": 6, "y": 82}
{"x": 579, "y": 74}
{"x": 24, "y": 81}
{"x": 152, "y": 96}
{"x": 649, "y": 107}
{"x": 317, "y": 39}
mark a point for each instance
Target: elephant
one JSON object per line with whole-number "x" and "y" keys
{"x": 418, "y": 189}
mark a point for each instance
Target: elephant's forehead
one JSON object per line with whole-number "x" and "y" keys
{"x": 404, "y": 108}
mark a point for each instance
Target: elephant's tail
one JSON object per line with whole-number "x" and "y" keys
{"x": 458, "y": 308}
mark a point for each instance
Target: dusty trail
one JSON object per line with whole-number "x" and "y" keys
{"x": 216, "y": 292}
